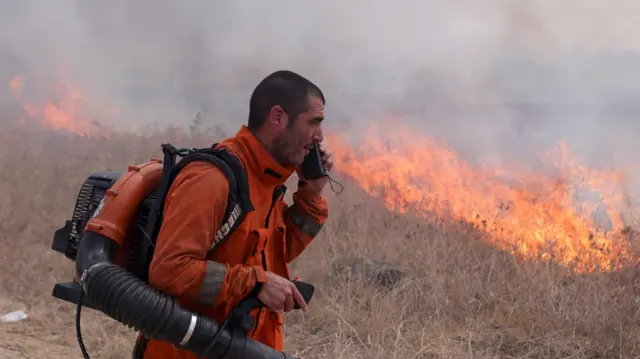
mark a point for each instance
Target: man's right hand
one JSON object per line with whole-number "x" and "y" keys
{"x": 280, "y": 294}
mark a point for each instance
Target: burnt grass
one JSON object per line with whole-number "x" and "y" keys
{"x": 388, "y": 285}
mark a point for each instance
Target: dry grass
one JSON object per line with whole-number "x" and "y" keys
{"x": 460, "y": 299}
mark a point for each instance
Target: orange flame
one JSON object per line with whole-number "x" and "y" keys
{"x": 16, "y": 84}
{"x": 531, "y": 214}
{"x": 66, "y": 114}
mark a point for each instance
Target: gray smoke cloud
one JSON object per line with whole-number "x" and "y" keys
{"x": 496, "y": 79}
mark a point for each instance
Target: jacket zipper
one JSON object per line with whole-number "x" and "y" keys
{"x": 276, "y": 195}
{"x": 277, "y": 192}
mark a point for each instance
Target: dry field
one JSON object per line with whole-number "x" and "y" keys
{"x": 459, "y": 298}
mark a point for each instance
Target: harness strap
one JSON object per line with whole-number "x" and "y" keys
{"x": 238, "y": 201}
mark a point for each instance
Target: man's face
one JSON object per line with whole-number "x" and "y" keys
{"x": 294, "y": 142}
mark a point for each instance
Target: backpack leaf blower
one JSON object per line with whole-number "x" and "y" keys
{"x": 111, "y": 237}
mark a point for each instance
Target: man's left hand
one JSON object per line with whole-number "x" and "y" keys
{"x": 318, "y": 184}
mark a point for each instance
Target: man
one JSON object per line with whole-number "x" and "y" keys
{"x": 285, "y": 119}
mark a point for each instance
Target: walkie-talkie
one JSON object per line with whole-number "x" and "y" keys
{"x": 312, "y": 167}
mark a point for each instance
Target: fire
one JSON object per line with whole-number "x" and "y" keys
{"x": 535, "y": 215}
{"x": 16, "y": 84}
{"x": 68, "y": 113}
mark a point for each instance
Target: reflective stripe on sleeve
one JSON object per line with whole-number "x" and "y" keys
{"x": 212, "y": 283}
{"x": 305, "y": 223}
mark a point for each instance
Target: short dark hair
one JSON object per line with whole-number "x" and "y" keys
{"x": 284, "y": 88}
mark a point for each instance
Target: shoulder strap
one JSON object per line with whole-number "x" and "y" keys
{"x": 238, "y": 200}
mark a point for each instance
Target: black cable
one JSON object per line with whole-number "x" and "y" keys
{"x": 215, "y": 337}
{"x": 78, "y": 332}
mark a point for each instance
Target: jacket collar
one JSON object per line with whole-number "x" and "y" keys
{"x": 259, "y": 161}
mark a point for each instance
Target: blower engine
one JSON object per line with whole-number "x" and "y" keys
{"x": 111, "y": 236}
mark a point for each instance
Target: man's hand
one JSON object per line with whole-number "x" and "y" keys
{"x": 318, "y": 184}
{"x": 280, "y": 294}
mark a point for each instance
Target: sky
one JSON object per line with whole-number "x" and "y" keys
{"x": 499, "y": 79}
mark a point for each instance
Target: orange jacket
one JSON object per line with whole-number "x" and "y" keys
{"x": 269, "y": 238}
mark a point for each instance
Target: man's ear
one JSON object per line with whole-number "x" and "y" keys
{"x": 278, "y": 117}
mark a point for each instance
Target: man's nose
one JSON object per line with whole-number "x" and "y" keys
{"x": 318, "y": 136}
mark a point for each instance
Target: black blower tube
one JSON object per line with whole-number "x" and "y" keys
{"x": 124, "y": 297}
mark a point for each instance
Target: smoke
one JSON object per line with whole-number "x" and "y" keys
{"x": 498, "y": 80}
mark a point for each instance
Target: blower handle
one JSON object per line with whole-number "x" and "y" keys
{"x": 240, "y": 316}
{"x": 248, "y": 304}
